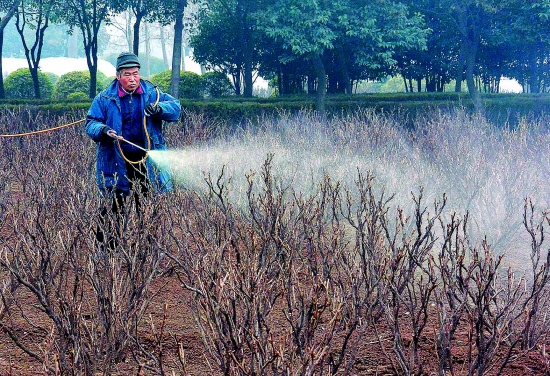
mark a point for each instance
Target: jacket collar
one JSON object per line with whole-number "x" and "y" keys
{"x": 123, "y": 93}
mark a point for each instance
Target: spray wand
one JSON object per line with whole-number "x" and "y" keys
{"x": 120, "y": 138}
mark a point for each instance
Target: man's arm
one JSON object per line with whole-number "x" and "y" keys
{"x": 171, "y": 107}
{"x": 95, "y": 122}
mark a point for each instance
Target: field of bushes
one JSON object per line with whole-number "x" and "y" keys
{"x": 383, "y": 242}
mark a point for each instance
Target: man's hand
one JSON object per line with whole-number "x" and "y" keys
{"x": 152, "y": 110}
{"x": 108, "y": 133}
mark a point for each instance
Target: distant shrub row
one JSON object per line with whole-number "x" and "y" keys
{"x": 70, "y": 86}
{"x": 75, "y": 86}
{"x": 501, "y": 109}
{"x": 195, "y": 86}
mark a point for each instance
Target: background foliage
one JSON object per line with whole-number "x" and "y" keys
{"x": 78, "y": 81}
{"x": 19, "y": 85}
{"x": 190, "y": 85}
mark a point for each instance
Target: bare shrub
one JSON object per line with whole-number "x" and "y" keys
{"x": 232, "y": 272}
{"x": 270, "y": 286}
{"x": 501, "y": 313}
{"x": 121, "y": 276}
{"x": 282, "y": 280}
{"x": 42, "y": 250}
{"x": 536, "y": 322}
{"x": 66, "y": 302}
{"x": 451, "y": 292}
{"x": 409, "y": 280}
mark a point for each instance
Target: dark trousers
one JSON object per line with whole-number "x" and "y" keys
{"x": 116, "y": 202}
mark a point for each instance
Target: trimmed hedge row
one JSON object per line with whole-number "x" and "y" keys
{"x": 502, "y": 109}
{"x": 19, "y": 85}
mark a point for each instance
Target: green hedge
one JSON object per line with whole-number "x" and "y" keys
{"x": 217, "y": 85}
{"x": 190, "y": 85}
{"x": 19, "y": 85}
{"x": 75, "y": 82}
{"x": 501, "y": 109}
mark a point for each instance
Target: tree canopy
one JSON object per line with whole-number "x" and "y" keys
{"x": 320, "y": 46}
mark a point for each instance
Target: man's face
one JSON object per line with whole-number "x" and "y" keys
{"x": 129, "y": 79}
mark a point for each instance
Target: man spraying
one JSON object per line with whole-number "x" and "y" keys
{"x": 134, "y": 110}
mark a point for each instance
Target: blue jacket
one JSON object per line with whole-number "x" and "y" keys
{"x": 106, "y": 110}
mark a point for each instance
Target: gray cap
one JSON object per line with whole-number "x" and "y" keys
{"x": 127, "y": 60}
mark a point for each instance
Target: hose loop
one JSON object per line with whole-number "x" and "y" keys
{"x": 146, "y": 136}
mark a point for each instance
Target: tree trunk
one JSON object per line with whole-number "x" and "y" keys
{"x": 147, "y": 52}
{"x": 163, "y": 46}
{"x": 33, "y": 54}
{"x": 248, "y": 81}
{"x": 91, "y": 58}
{"x": 460, "y": 67}
{"x": 342, "y": 67}
{"x": 129, "y": 32}
{"x": 285, "y": 80}
{"x": 248, "y": 53}
{"x": 332, "y": 82}
{"x": 72, "y": 45}
{"x": 470, "y": 64}
{"x": 310, "y": 84}
{"x": 3, "y": 22}
{"x": 2, "y": 91}
{"x": 176, "y": 54}
{"x": 137, "y": 25}
{"x": 237, "y": 82}
{"x": 279, "y": 80}
{"x": 35, "y": 82}
{"x": 183, "y": 53}
{"x": 534, "y": 80}
{"x": 320, "y": 74}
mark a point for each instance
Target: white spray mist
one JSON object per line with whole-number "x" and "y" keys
{"x": 483, "y": 170}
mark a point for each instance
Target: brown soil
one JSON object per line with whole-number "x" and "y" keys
{"x": 172, "y": 303}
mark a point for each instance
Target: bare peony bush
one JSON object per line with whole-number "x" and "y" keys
{"x": 353, "y": 254}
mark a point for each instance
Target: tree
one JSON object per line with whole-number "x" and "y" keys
{"x": 373, "y": 29}
{"x": 436, "y": 65}
{"x": 88, "y": 16}
{"x": 226, "y": 40}
{"x": 470, "y": 20}
{"x": 143, "y": 10}
{"x": 473, "y": 22}
{"x": 528, "y": 41}
{"x": 176, "y": 52}
{"x": 36, "y": 14}
{"x": 287, "y": 72}
{"x": 9, "y": 7}
{"x": 123, "y": 23}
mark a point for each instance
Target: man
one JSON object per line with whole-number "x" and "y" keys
{"x": 134, "y": 109}
{"x": 119, "y": 110}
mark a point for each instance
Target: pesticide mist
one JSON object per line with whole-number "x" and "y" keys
{"x": 484, "y": 170}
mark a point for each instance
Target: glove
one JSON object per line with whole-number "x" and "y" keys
{"x": 152, "y": 110}
{"x": 108, "y": 133}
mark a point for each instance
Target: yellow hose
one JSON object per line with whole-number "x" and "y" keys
{"x": 41, "y": 131}
{"x": 146, "y": 136}
{"x": 81, "y": 120}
